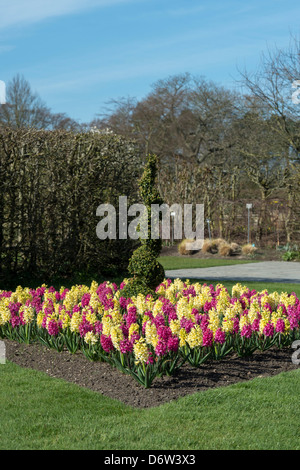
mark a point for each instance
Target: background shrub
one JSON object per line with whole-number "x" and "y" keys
{"x": 248, "y": 249}
{"x": 183, "y": 248}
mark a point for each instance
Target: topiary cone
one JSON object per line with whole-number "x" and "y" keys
{"x": 147, "y": 272}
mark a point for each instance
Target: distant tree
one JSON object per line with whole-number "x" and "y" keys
{"x": 23, "y": 107}
{"x": 272, "y": 85}
{"x": 182, "y": 117}
{"x": 61, "y": 121}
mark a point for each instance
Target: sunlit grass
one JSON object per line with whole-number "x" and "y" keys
{"x": 39, "y": 412}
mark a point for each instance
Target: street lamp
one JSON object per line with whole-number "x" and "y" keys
{"x": 249, "y": 207}
{"x": 208, "y": 224}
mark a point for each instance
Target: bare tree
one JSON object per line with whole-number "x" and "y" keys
{"x": 272, "y": 84}
{"x": 23, "y": 108}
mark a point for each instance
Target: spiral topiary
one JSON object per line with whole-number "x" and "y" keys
{"x": 147, "y": 273}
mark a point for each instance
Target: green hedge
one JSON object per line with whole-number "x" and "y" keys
{"x": 51, "y": 183}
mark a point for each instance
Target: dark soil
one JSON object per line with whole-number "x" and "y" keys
{"x": 102, "y": 378}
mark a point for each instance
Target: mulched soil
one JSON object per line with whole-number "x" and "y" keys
{"x": 104, "y": 379}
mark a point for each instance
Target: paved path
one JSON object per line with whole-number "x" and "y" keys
{"x": 267, "y": 271}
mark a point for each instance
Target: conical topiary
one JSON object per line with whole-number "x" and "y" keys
{"x": 147, "y": 273}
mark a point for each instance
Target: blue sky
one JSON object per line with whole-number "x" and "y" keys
{"x": 79, "y": 54}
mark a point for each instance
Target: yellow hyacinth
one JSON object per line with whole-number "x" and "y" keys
{"x": 140, "y": 351}
{"x": 116, "y": 336}
{"x": 194, "y": 337}
{"x": 75, "y": 322}
{"x": 134, "y": 328}
{"x": 91, "y": 338}
{"x": 175, "y": 327}
{"x": 107, "y": 324}
{"x": 182, "y": 337}
{"x": 151, "y": 334}
{"x": 28, "y": 314}
{"x": 5, "y": 315}
{"x": 157, "y": 308}
{"x": 214, "y": 320}
{"x": 40, "y": 318}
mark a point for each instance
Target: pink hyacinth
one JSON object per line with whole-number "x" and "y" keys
{"x": 123, "y": 302}
{"x": 106, "y": 343}
{"x": 173, "y": 343}
{"x": 84, "y": 328}
{"x": 85, "y": 299}
{"x": 98, "y": 327}
{"x": 293, "y": 322}
{"x": 40, "y": 291}
{"x": 14, "y": 321}
{"x": 255, "y": 325}
{"x": 53, "y": 328}
{"x": 246, "y": 331}
{"x": 161, "y": 348}
{"x": 126, "y": 346}
{"x": 220, "y": 336}
{"x": 159, "y": 320}
{"x": 150, "y": 359}
{"x": 268, "y": 329}
{"x": 236, "y": 325}
{"x": 134, "y": 337}
{"x": 21, "y": 314}
{"x": 164, "y": 332}
{"x": 14, "y": 307}
{"x": 125, "y": 330}
{"x": 207, "y": 338}
{"x": 280, "y": 326}
{"x": 204, "y": 322}
{"x": 187, "y": 324}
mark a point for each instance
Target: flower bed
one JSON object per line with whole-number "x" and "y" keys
{"x": 151, "y": 336}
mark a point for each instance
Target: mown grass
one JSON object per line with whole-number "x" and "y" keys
{"x": 38, "y": 412}
{"x": 178, "y": 262}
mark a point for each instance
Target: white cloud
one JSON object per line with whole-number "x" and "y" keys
{"x": 31, "y": 11}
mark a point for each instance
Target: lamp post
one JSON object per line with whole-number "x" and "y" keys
{"x": 249, "y": 207}
{"x": 208, "y": 224}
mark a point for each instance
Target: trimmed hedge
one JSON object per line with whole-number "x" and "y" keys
{"x": 51, "y": 183}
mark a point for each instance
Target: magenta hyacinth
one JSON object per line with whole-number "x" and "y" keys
{"x": 173, "y": 343}
{"x": 220, "y": 336}
{"x": 246, "y": 331}
{"x": 280, "y": 326}
{"x": 53, "y": 328}
{"x": 106, "y": 343}
{"x": 208, "y": 337}
{"x": 269, "y": 329}
{"x": 126, "y": 346}
{"x": 161, "y": 348}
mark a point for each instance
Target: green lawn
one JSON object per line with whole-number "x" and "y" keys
{"x": 39, "y": 412}
{"x": 178, "y": 262}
